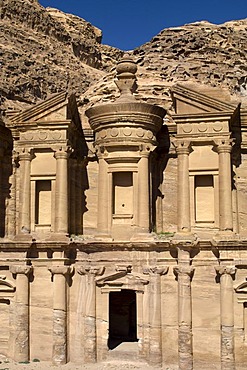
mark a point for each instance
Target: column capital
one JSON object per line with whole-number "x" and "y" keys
{"x": 230, "y": 270}
{"x": 61, "y": 270}
{"x": 223, "y": 145}
{"x": 21, "y": 269}
{"x": 145, "y": 150}
{"x": 25, "y": 155}
{"x": 91, "y": 270}
{"x": 101, "y": 151}
{"x": 182, "y": 146}
{"x": 155, "y": 270}
{"x": 62, "y": 153}
{"x": 184, "y": 270}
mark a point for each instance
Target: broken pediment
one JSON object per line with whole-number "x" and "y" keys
{"x": 5, "y": 285}
{"x": 53, "y": 108}
{"x": 122, "y": 280}
{"x": 189, "y": 101}
{"x": 241, "y": 291}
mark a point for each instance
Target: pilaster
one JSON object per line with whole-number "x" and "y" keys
{"x": 21, "y": 343}
{"x": 143, "y": 192}
{"x": 25, "y": 194}
{"x": 155, "y": 332}
{"x": 183, "y": 149}
{"x": 184, "y": 272}
{"x": 59, "y": 275}
{"x": 90, "y": 349}
{"x": 224, "y": 148}
{"x": 226, "y": 274}
{"x": 61, "y": 197}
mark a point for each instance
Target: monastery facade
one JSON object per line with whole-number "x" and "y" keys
{"x": 95, "y": 252}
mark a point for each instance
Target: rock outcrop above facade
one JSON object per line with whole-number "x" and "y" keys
{"x": 45, "y": 51}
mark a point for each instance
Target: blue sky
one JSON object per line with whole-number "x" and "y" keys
{"x": 127, "y": 24}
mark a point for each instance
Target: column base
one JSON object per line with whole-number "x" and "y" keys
{"x": 185, "y": 237}
{"x": 24, "y": 237}
{"x": 103, "y": 237}
{"x": 226, "y": 235}
{"x": 59, "y": 237}
{"x": 142, "y": 237}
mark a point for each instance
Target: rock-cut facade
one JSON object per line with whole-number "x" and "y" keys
{"x": 126, "y": 236}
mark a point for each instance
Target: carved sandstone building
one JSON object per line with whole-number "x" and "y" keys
{"x": 90, "y": 258}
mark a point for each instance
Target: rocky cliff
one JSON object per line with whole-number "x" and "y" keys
{"x": 44, "y": 51}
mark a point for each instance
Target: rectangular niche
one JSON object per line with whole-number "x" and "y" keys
{"x": 123, "y": 193}
{"x": 204, "y": 198}
{"x": 43, "y": 202}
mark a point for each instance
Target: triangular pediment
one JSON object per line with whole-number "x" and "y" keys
{"x": 189, "y": 101}
{"x": 52, "y": 109}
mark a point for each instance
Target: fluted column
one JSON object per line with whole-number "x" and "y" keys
{"x": 103, "y": 197}
{"x": 25, "y": 193}
{"x": 184, "y": 275}
{"x": 183, "y": 198}
{"x": 61, "y": 198}
{"x": 155, "y": 332}
{"x": 90, "y": 311}
{"x": 143, "y": 192}
{"x": 59, "y": 351}
{"x": 21, "y": 349}
{"x": 224, "y": 148}
{"x": 227, "y": 316}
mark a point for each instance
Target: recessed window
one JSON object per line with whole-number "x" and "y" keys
{"x": 204, "y": 198}
{"x": 122, "y": 193}
{"x": 43, "y": 202}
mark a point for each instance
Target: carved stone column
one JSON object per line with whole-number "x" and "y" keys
{"x": 224, "y": 148}
{"x": 227, "y": 316}
{"x": 79, "y": 190}
{"x": 143, "y": 192}
{"x": 61, "y": 198}
{"x": 21, "y": 350}
{"x": 183, "y": 203}
{"x": 11, "y": 227}
{"x": 184, "y": 275}
{"x": 90, "y": 314}
{"x": 155, "y": 339}
{"x": 73, "y": 198}
{"x": 103, "y": 196}
{"x": 25, "y": 193}
{"x": 59, "y": 274}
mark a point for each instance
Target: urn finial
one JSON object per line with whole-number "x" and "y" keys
{"x": 126, "y": 78}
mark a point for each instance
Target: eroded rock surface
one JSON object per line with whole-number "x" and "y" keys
{"x": 44, "y": 51}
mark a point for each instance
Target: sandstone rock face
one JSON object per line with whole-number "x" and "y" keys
{"x": 199, "y": 52}
{"x": 44, "y": 51}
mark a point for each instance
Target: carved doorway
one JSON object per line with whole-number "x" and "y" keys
{"x": 122, "y": 318}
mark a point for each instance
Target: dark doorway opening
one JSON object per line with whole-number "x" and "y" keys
{"x": 122, "y": 318}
